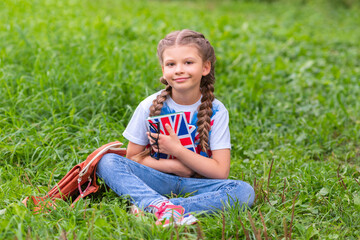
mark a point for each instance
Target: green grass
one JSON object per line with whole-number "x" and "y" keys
{"x": 72, "y": 73}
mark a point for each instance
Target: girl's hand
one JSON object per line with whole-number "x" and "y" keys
{"x": 170, "y": 144}
{"x": 167, "y": 144}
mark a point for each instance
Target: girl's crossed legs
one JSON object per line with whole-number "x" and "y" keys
{"x": 145, "y": 186}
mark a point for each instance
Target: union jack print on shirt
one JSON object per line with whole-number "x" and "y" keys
{"x": 191, "y": 119}
{"x": 179, "y": 124}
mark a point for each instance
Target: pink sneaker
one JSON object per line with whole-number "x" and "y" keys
{"x": 168, "y": 214}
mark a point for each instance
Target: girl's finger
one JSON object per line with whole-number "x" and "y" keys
{"x": 169, "y": 129}
{"x": 150, "y": 135}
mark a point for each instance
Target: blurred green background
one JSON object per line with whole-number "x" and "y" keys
{"x": 72, "y": 72}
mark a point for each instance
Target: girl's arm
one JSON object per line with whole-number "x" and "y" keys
{"x": 164, "y": 165}
{"x": 216, "y": 167}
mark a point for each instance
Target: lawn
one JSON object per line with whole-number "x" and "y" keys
{"x": 72, "y": 72}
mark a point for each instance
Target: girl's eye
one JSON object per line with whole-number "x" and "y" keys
{"x": 170, "y": 64}
{"x": 189, "y": 62}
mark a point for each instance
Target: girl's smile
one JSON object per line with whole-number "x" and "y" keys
{"x": 183, "y": 79}
{"x": 183, "y": 69}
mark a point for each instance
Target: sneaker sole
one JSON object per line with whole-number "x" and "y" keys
{"x": 189, "y": 220}
{"x": 185, "y": 221}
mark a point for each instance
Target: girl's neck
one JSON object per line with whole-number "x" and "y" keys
{"x": 187, "y": 98}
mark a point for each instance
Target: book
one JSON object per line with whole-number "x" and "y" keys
{"x": 180, "y": 126}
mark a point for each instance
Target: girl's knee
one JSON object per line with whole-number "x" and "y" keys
{"x": 245, "y": 193}
{"x": 109, "y": 162}
{"x": 251, "y": 194}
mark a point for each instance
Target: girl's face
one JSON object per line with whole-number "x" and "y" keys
{"x": 183, "y": 68}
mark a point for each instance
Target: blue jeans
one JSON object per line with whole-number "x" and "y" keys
{"x": 145, "y": 185}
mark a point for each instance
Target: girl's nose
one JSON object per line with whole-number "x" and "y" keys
{"x": 179, "y": 69}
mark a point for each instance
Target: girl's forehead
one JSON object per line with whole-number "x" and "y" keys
{"x": 181, "y": 50}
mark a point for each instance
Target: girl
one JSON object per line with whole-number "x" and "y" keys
{"x": 187, "y": 61}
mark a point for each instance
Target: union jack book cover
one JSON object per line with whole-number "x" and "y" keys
{"x": 180, "y": 126}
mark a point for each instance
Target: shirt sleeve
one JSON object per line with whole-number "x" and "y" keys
{"x": 220, "y": 133}
{"x": 136, "y": 129}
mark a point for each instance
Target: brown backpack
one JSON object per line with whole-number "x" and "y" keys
{"x": 81, "y": 175}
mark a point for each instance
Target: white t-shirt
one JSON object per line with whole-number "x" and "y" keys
{"x": 219, "y": 135}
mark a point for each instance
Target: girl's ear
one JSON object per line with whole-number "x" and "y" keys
{"x": 206, "y": 68}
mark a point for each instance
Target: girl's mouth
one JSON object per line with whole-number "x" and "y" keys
{"x": 182, "y": 79}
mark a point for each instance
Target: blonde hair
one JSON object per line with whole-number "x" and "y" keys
{"x": 207, "y": 53}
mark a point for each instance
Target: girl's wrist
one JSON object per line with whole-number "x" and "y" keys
{"x": 178, "y": 150}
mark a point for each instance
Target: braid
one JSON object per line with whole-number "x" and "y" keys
{"x": 155, "y": 108}
{"x": 204, "y": 115}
